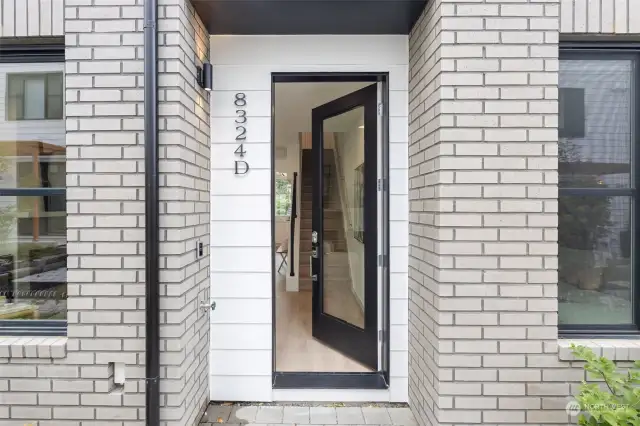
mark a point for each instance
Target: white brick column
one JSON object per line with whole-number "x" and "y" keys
{"x": 105, "y": 208}
{"x": 184, "y": 214}
{"x": 483, "y": 210}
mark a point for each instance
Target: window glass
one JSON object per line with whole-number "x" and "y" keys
{"x": 55, "y": 99}
{"x": 34, "y": 96}
{"x": 283, "y": 195}
{"x": 596, "y": 202}
{"x": 33, "y": 253}
{"x": 594, "y": 260}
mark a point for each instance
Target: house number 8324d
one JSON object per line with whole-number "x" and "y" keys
{"x": 240, "y": 102}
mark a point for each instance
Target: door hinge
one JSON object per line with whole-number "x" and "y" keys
{"x": 380, "y": 109}
{"x": 382, "y": 260}
{"x": 380, "y": 335}
{"x": 382, "y": 184}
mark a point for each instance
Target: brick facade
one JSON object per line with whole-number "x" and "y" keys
{"x": 483, "y": 88}
{"x": 184, "y": 214}
{"x": 484, "y": 347}
{"x": 483, "y": 211}
{"x": 65, "y": 381}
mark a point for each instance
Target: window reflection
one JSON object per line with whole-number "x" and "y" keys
{"x": 595, "y": 123}
{"x": 594, "y": 274}
{"x": 596, "y": 203}
{"x": 33, "y": 253}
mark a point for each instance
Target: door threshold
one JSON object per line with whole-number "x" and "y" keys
{"x": 314, "y": 380}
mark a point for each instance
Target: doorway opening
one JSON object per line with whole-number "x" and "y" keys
{"x": 330, "y": 232}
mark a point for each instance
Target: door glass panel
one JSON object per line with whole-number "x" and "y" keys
{"x": 343, "y": 233}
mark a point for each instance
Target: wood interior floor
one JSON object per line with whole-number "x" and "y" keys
{"x": 296, "y": 349}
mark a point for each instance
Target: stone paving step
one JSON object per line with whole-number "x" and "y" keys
{"x": 278, "y": 415}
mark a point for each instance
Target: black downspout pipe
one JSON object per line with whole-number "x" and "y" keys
{"x": 152, "y": 232}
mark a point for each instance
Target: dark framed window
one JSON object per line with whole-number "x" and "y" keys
{"x": 598, "y": 180}
{"x": 34, "y": 96}
{"x": 33, "y": 228}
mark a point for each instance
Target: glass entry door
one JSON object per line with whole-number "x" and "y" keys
{"x": 344, "y": 237}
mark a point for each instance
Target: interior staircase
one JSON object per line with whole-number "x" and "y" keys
{"x": 336, "y": 258}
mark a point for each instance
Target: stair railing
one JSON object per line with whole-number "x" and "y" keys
{"x": 292, "y": 225}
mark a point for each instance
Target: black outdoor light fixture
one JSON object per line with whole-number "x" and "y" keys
{"x": 205, "y": 76}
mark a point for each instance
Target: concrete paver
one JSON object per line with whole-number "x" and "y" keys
{"x": 323, "y": 416}
{"x": 270, "y": 414}
{"x": 296, "y": 415}
{"x": 376, "y": 416}
{"x": 310, "y": 414}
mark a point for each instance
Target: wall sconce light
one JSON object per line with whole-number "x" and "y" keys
{"x": 204, "y": 75}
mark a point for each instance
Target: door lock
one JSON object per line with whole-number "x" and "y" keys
{"x": 314, "y": 237}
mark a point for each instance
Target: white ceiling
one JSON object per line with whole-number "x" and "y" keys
{"x": 294, "y": 102}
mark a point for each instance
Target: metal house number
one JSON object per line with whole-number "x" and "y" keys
{"x": 240, "y": 102}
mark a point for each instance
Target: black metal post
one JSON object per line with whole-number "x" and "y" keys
{"x": 292, "y": 224}
{"x": 152, "y": 232}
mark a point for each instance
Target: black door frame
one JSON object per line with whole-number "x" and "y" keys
{"x": 314, "y": 380}
{"x": 359, "y": 343}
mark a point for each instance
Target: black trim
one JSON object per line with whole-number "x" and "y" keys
{"x": 598, "y": 192}
{"x": 324, "y": 77}
{"x": 273, "y": 228}
{"x": 375, "y": 380}
{"x": 385, "y": 237}
{"x": 358, "y": 343}
{"x": 32, "y": 49}
{"x": 152, "y": 213}
{"x": 33, "y": 327}
{"x": 598, "y": 46}
{"x": 588, "y": 49}
{"x": 31, "y": 192}
{"x": 296, "y": 17}
{"x": 286, "y": 380}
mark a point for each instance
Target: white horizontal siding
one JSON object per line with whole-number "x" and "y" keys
{"x": 241, "y": 211}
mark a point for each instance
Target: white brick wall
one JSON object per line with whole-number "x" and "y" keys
{"x": 184, "y": 206}
{"x": 105, "y": 203}
{"x": 483, "y": 200}
{"x": 105, "y": 237}
{"x": 424, "y": 97}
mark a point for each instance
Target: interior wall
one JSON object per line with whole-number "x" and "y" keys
{"x": 241, "y": 255}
